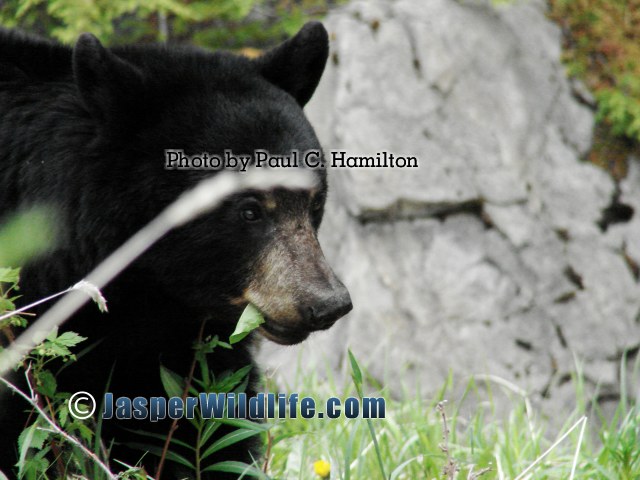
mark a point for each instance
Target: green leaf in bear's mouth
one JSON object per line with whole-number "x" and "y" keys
{"x": 250, "y": 319}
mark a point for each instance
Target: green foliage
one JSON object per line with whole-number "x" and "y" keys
{"x": 9, "y": 278}
{"x": 26, "y": 235}
{"x": 39, "y": 442}
{"x": 411, "y": 442}
{"x": 69, "y": 18}
{"x": 213, "y": 24}
{"x": 250, "y": 319}
{"x": 205, "y": 445}
{"x": 22, "y": 237}
{"x": 603, "y": 49}
{"x": 621, "y": 111}
{"x": 356, "y": 375}
{"x": 492, "y": 425}
{"x": 57, "y": 346}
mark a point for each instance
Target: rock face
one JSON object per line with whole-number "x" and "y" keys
{"x": 495, "y": 256}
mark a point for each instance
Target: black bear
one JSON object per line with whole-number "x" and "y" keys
{"x": 85, "y": 131}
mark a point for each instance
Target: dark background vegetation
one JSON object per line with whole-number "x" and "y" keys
{"x": 229, "y": 24}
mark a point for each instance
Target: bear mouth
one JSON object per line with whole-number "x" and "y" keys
{"x": 281, "y": 334}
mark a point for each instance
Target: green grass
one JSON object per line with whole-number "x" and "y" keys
{"x": 510, "y": 439}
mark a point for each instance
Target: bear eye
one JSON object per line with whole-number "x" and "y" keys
{"x": 251, "y": 210}
{"x": 251, "y": 214}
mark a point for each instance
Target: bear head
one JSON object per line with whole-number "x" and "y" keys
{"x": 259, "y": 246}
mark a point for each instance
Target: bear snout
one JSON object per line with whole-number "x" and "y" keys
{"x": 329, "y": 308}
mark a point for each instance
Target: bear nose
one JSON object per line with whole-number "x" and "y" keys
{"x": 327, "y": 311}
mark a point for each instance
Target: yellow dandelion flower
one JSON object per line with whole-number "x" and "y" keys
{"x": 322, "y": 468}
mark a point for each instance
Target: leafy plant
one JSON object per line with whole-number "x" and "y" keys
{"x": 250, "y": 319}
{"x": 205, "y": 446}
{"x": 602, "y": 47}
{"x": 55, "y": 434}
{"x": 9, "y": 278}
{"x": 208, "y": 382}
{"x": 221, "y": 24}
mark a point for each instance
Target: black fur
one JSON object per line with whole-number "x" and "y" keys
{"x": 84, "y": 130}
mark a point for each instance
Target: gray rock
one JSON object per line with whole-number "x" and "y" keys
{"x": 489, "y": 257}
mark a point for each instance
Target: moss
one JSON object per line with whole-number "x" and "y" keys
{"x": 602, "y": 48}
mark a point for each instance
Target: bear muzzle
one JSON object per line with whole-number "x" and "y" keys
{"x": 329, "y": 308}
{"x": 320, "y": 312}
{"x": 292, "y": 315}
{"x": 295, "y": 288}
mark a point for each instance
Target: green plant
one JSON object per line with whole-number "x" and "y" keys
{"x": 602, "y": 47}
{"x": 53, "y": 434}
{"x": 69, "y": 441}
{"x": 9, "y": 278}
{"x": 220, "y": 24}
{"x": 356, "y": 375}
{"x": 205, "y": 444}
{"x": 207, "y": 382}
{"x": 486, "y": 440}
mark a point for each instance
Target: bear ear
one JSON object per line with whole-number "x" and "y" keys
{"x": 108, "y": 85}
{"x": 297, "y": 64}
